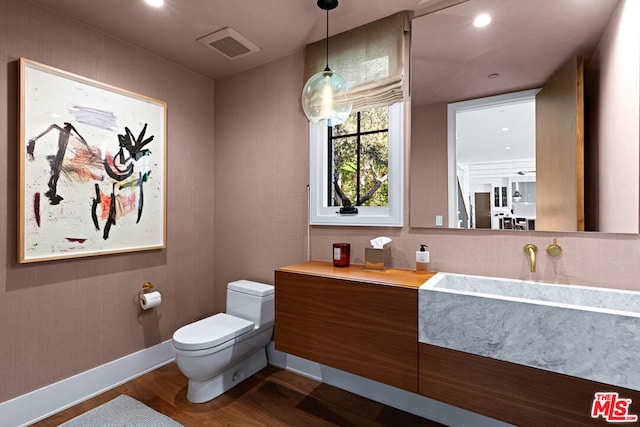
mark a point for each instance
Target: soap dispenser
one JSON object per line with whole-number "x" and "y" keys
{"x": 422, "y": 260}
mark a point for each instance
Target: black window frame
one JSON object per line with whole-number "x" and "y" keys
{"x": 358, "y": 135}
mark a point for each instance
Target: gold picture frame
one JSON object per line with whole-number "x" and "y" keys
{"x": 92, "y": 167}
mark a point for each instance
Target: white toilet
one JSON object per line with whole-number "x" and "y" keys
{"x": 220, "y": 351}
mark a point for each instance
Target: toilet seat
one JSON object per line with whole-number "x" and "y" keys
{"x": 210, "y": 332}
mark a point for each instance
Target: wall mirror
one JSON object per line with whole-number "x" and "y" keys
{"x": 571, "y": 162}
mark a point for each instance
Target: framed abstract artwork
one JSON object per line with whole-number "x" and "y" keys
{"x": 92, "y": 167}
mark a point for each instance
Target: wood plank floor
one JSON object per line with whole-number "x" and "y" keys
{"x": 273, "y": 397}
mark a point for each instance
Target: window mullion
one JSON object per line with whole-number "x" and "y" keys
{"x": 330, "y": 166}
{"x": 368, "y": 132}
{"x": 357, "y": 201}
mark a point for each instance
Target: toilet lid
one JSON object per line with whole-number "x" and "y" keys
{"x": 251, "y": 288}
{"x": 210, "y": 332}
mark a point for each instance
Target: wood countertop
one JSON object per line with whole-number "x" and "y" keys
{"x": 356, "y": 272}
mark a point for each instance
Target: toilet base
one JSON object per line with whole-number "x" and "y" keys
{"x": 204, "y": 391}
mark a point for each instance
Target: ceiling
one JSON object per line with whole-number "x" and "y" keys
{"x": 279, "y": 27}
{"x": 526, "y": 43}
{"x": 497, "y": 133}
{"x": 283, "y": 27}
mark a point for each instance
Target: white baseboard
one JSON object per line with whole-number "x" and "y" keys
{"x": 39, "y": 404}
{"x": 391, "y": 396}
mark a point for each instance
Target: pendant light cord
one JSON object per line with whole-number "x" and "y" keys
{"x": 327, "y": 64}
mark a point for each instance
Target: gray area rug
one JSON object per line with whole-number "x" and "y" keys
{"x": 123, "y": 411}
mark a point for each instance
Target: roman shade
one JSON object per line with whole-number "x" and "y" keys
{"x": 370, "y": 58}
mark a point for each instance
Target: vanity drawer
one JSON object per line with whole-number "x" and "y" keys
{"x": 513, "y": 393}
{"x": 364, "y": 328}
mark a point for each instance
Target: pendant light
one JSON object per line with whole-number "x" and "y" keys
{"x": 517, "y": 196}
{"x": 325, "y": 97}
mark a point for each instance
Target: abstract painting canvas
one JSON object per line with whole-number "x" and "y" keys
{"x": 92, "y": 167}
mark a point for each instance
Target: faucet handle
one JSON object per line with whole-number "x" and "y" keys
{"x": 554, "y": 249}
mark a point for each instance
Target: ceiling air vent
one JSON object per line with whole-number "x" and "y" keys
{"x": 229, "y": 43}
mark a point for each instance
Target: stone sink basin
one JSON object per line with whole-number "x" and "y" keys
{"x": 586, "y": 332}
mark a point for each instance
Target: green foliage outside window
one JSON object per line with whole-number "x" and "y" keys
{"x": 361, "y": 180}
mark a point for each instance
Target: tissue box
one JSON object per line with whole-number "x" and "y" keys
{"x": 374, "y": 258}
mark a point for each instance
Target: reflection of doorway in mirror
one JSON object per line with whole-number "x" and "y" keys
{"x": 491, "y": 143}
{"x": 482, "y": 210}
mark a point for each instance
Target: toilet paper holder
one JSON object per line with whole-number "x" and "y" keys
{"x": 145, "y": 287}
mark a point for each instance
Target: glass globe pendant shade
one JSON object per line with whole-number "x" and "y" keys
{"x": 325, "y": 98}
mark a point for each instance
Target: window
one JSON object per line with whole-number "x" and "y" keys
{"x": 363, "y": 167}
{"x": 358, "y": 165}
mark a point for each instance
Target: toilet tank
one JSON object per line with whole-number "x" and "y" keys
{"x": 252, "y": 301}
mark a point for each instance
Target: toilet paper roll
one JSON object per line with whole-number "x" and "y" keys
{"x": 150, "y": 300}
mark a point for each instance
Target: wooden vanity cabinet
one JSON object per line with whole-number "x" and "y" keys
{"x": 366, "y": 322}
{"x": 356, "y": 320}
{"x": 513, "y": 393}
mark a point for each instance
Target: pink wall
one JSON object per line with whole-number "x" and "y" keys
{"x": 261, "y": 173}
{"x": 59, "y": 318}
{"x": 618, "y": 60}
{"x": 588, "y": 259}
{"x": 428, "y": 188}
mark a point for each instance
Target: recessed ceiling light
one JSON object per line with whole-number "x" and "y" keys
{"x": 507, "y": 148}
{"x": 482, "y": 20}
{"x": 493, "y": 76}
{"x": 505, "y": 129}
{"x": 155, "y": 3}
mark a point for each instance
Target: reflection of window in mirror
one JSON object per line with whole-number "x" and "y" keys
{"x": 358, "y": 164}
{"x": 491, "y": 146}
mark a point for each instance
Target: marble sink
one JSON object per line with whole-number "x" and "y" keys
{"x": 586, "y": 332}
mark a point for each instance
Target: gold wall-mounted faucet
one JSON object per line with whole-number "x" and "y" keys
{"x": 531, "y": 250}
